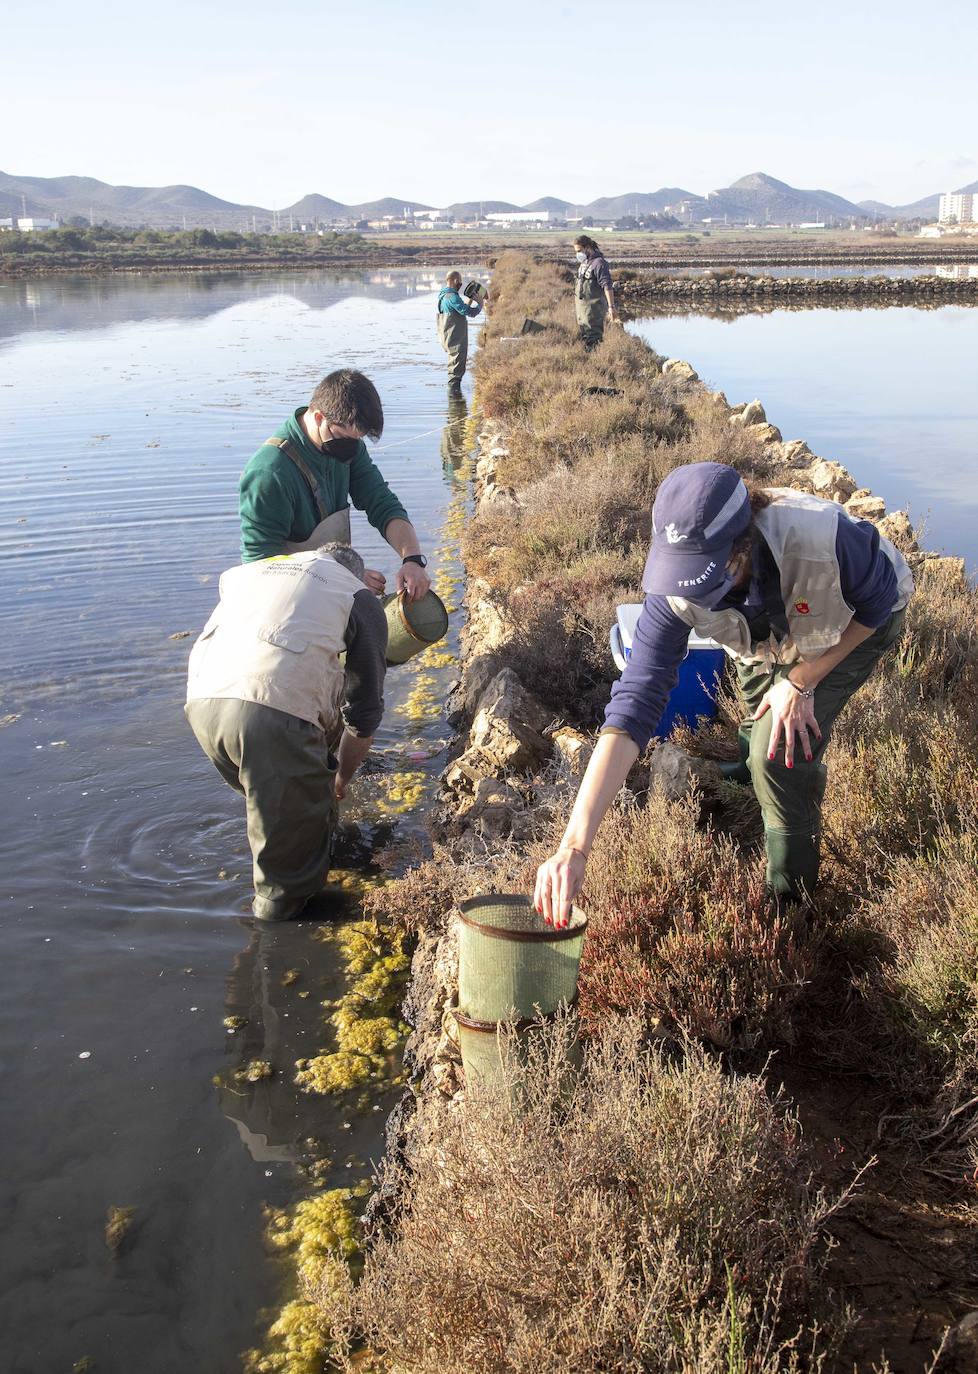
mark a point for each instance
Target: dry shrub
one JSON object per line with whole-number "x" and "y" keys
{"x": 661, "y": 1219}
{"x": 680, "y": 927}
{"x": 922, "y": 1000}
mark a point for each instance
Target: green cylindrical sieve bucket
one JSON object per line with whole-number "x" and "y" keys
{"x": 413, "y": 626}
{"x": 512, "y": 965}
{"x": 489, "y": 1054}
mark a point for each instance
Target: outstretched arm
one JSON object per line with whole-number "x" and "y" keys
{"x": 560, "y": 878}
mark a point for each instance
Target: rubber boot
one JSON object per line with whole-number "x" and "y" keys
{"x": 738, "y": 770}
{"x": 792, "y": 864}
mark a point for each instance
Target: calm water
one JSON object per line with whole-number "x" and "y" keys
{"x": 892, "y": 394}
{"x": 897, "y": 271}
{"x": 127, "y": 410}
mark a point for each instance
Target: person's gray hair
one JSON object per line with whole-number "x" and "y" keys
{"x": 346, "y": 557}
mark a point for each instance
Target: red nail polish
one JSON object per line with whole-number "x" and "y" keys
{"x": 791, "y": 765}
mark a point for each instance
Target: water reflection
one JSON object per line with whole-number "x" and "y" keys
{"x": 892, "y": 393}
{"x": 453, "y": 444}
{"x": 82, "y": 302}
{"x": 958, "y": 271}
{"x": 125, "y": 864}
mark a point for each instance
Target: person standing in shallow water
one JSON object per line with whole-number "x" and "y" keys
{"x": 295, "y": 492}
{"x": 454, "y": 314}
{"x": 805, "y": 598}
{"x": 594, "y": 295}
{"x": 268, "y": 698}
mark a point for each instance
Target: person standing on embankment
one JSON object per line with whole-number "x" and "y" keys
{"x": 267, "y": 697}
{"x": 295, "y": 492}
{"x": 594, "y": 293}
{"x": 806, "y": 600}
{"x": 454, "y": 314}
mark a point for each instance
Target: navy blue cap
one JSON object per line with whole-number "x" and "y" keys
{"x": 699, "y": 511}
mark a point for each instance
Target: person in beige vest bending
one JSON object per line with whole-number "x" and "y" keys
{"x": 296, "y": 491}
{"x": 267, "y": 699}
{"x": 803, "y": 597}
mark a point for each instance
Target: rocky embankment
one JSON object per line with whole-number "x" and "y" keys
{"x": 720, "y": 288}
{"x": 513, "y": 765}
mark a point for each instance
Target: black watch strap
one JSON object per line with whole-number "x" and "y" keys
{"x": 418, "y": 558}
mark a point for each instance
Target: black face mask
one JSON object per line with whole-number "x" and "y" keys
{"x": 343, "y": 450}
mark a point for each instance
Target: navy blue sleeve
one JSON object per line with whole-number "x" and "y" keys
{"x": 366, "y": 665}
{"x": 601, "y": 273}
{"x": 868, "y": 579}
{"x": 639, "y": 697}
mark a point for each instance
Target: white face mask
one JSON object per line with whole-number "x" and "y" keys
{"x": 581, "y": 257}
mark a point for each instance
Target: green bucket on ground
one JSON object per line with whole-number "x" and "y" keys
{"x": 413, "y": 626}
{"x": 514, "y": 969}
{"x": 512, "y": 965}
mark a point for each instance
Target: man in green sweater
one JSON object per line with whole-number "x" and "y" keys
{"x": 296, "y": 491}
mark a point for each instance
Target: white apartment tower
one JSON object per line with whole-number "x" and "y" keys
{"x": 958, "y": 208}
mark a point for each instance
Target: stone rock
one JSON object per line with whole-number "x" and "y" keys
{"x": 865, "y": 506}
{"x": 486, "y": 626}
{"x": 574, "y": 748}
{"x": 485, "y": 469}
{"x": 434, "y": 980}
{"x": 498, "y": 451}
{"x": 508, "y": 725}
{"x": 753, "y": 413}
{"x": 796, "y": 453}
{"x": 897, "y": 527}
{"x": 500, "y": 498}
{"x": 952, "y": 570}
{"x": 768, "y": 434}
{"x": 831, "y": 480}
{"x": 720, "y": 400}
{"x": 676, "y": 772}
{"x": 678, "y": 367}
{"x": 959, "y": 1353}
{"x": 492, "y": 809}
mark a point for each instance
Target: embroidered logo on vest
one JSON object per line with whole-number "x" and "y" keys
{"x": 673, "y": 535}
{"x": 803, "y": 608}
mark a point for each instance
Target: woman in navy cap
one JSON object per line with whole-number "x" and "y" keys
{"x": 804, "y": 597}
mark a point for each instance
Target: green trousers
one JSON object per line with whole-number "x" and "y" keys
{"x": 591, "y": 315}
{"x": 791, "y": 798}
{"x": 284, "y": 768}
{"x": 453, "y": 331}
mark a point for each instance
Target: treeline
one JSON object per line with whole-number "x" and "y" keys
{"x": 101, "y": 239}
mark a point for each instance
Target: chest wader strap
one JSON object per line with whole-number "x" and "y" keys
{"x": 305, "y": 470}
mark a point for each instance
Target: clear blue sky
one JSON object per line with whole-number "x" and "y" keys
{"x": 261, "y": 102}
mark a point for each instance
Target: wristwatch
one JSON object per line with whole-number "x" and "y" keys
{"x": 418, "y": 558}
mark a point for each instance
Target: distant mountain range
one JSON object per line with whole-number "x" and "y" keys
{"x": 757, "y": 199}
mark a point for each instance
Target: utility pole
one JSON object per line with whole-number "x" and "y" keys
{"x": 91, "y": 216}
{"x": 185, "y": 224}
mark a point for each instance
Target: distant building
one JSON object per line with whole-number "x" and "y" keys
{"x": 958, "y": 208}
{"x": 519, "y": 217}
{"x": 28, "y": 223}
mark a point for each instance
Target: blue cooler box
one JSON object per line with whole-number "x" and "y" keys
{"x": 695, "y": 694}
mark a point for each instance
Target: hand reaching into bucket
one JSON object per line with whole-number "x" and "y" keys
{"x": 559, "y": 880}
{"x": 375, "y": 580}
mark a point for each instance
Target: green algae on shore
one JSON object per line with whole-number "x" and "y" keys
{"x": 367, "y": 1031}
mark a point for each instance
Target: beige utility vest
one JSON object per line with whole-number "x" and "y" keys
{"x": 800, "y": 531}
{"x": 276, "y": 637}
